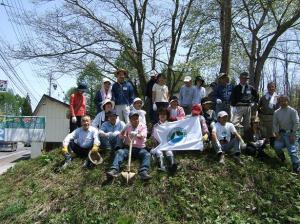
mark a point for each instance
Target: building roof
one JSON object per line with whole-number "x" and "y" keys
{"x": 44, "y": 98}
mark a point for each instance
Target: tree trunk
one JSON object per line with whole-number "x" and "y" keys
{"x": 225, "y": 30}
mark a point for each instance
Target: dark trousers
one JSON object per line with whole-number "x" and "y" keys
{"x": 81, "y": 152}
{"x": 73, "y": 126}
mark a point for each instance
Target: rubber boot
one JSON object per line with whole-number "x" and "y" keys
{"x": 68, "y": 160}
{"x": 161, "y": 166}
{"x": 172, "y": 164}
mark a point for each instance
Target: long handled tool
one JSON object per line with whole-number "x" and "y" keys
{"x": 127, "y": 174}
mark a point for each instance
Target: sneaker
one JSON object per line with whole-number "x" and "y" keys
{"x": 144, "y": 175}
{"x": 112, "y": 173}
{"x": 222, "y": 159}
{"x": 238, "y": 160}
{"x": 87, "y": 164}
{"x": 66, "y": 164}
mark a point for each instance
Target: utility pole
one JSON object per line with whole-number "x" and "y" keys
{"x": 50, "y": 83}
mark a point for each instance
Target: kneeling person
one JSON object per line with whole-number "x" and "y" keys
{"x": 110, "y": 130}
{"x": 222, "y": 141}
{"x": 136, "y": 132}
{"x": 81, "y": 141}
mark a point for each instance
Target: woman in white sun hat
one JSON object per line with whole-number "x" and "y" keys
{"x": 103, "y": 94}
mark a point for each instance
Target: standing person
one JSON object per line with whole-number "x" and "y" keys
{"x": 148, "y": 94}
{"x": 242, "y": 98}
{"x": 222, "y": 94}
{"x": 77, "y": 106}
{"x": 107, "y": 105}
{"x": 222, "y": 140}
{"x": 199, "y": 89}
{"x": 285, "y": 125}
{"x": 187, "y": 95}
{"x": 81, "y": 141}
{"x": 266, "y": 108}
{"x": 138, "y": 132}
{"x": 160, "y": 95}
{"x": 103, "y": 94}
{"x": 176, "y": 111}
{"x": 123, "y": 95}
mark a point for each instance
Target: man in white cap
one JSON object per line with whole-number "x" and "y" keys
{"x": 222, "y": 140}
{"x": 187, "y": 95}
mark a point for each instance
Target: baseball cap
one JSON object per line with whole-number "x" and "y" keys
{"x": 187, "y": 78}
{"x": 222, "y": 114}
{"x": 112, "y": 112}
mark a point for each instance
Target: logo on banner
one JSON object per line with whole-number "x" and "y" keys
{"x": 176, "y": 135}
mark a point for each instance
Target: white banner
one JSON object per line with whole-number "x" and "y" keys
{"x": 3, "y": 85}
{"x": 180, "y": 135}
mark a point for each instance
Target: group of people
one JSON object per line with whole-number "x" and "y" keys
{"x": 121, "y": 121}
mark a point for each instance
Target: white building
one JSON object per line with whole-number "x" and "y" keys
{"x": 57, "y": 125}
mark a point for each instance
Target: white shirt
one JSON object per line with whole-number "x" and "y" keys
{"x": 161, "y": 93}
{"x": 84, "y": 138}
{"x": 224, "y": 132}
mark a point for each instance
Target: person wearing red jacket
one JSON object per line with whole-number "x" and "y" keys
{"x": 77, "y": 106}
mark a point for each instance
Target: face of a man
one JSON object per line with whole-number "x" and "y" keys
{"x": 121, "y": 77}
{"x": 271, "y": 88}
{"x": 112, "y": 119}
{"x": 223, "y": 120}
{"x": 134, "y": 120}
{"x": 188, "y": 84}
{"x": 244, "y": 80}
{"x": 283, "y": 102}
{"x": 224, "y": 80}
{"x": 85, "y": 123}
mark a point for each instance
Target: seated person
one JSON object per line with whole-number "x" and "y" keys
{"x": 163, "y": 115}
{"x": 101, "y": 117}
{"x": 208, "y": 113}
{"x": 196, "y": 111}
{"x": 110, "y": 130}
{"x": 253, "y": 137}
{"x": 81, "y": 141}
{"x": 137, "y": 107}
{"x": 222, "y": 140}
{"x": 136, "y": 132}
{"x": 176, "y": 111}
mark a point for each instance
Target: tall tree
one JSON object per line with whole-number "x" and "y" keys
{"x": 266, "y": 21}
{"x": 26, "y": 106}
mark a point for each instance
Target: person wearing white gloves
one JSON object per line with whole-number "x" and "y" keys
{"x": 137, "y": 133}
{"x": 222, "y": 140}
{"x": 137, "y": 107}
{"x": 110, "y": 130}
{"x": 77, "y": 106}
{"x": 160, "y": 95}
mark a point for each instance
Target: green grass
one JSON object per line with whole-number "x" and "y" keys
{"x": 201, "y": 192}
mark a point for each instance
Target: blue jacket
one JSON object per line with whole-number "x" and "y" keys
{"x": 122, "y": 93}
{"x": 223, "y": 92}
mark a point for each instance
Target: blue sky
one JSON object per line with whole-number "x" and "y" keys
{"x": 28, "y": 72}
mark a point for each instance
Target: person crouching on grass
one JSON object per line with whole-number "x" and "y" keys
{"x": 196, "y": 111}
{"x": 222, "y": 140}
{"x": 81, "y": 141}
{"x": 163, "y": 115}
{"x": 137, "y": 132}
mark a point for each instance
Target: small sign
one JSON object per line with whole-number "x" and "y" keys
{"x": 3, "y": 85}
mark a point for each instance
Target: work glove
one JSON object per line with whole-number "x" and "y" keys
{"x": 74, "y": 119}
{"x": 205, "y": 137}
{"x": 219, "y": 101}
{"x": 64, "y": 150}
{"x": 252, "y": 104}
{"x": 154, "y": 107}
{"x": 94, "y": 149}
{"x": 133, "y": 134}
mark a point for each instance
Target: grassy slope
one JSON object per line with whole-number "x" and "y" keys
{"x": 201, "y": 192}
